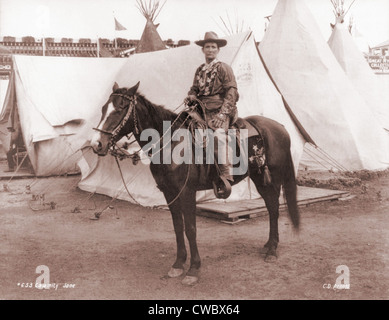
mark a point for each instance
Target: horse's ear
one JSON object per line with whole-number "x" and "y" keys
{"x": 115, "y": 87}
{"x": 134, "y": 88}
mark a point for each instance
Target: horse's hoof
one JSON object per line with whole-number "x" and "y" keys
{"x": 264, "y": 250}
{"x": 190, "y": 280}
{"x": 270, "y": 258}
{"x": 174, "y": 272}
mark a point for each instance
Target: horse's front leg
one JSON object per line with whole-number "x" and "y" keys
{"x": 188, "y": 207}
{"x": 177, "y": 268}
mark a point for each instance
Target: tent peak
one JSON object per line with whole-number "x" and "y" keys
{"x": 339, "y": 11}
{"x": 150, "y": 10}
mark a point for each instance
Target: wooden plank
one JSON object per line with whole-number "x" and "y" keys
{"x": 232, "y": 207}
{"x": 247, "y": 213}
{"x": 247, "y": 209}
{"x": 221, "y": 215}
{"x": 233, "y": 222}
{"x": 255, "y": 215}
{"x": 217, "y": 216}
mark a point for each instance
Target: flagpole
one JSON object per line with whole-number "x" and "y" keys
{"x": 98, "y": 47}
{"x": 43, "y": 45}
{"x": 114, "y": 21}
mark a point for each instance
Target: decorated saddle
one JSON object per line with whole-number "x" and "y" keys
{"x": 256, "y": 146}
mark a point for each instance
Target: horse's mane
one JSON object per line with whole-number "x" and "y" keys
{"x": 157, "y": 110}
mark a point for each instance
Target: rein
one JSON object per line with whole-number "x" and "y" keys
{"x": 115, "y": 132}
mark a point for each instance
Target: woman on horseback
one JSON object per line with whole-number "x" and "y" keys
{"x": 215, "y": 86}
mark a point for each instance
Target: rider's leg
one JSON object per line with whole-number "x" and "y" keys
{"x": 223, "y": 152}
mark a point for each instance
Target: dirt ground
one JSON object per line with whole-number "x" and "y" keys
{"x": 129, "y": 250}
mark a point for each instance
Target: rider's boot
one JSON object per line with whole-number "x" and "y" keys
{"x": 222, "y": 155}
{"x": 222, "y": 188}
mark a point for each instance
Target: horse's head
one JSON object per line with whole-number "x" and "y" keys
{"x": 115, "y": 122}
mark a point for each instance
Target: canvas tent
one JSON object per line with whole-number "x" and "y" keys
{"x": 3, "y": 92}
{"x": 6, "y": 93}
{"x": 359, "y": 72}
{"x": 169, "y": 77}
{"x": 4, "y": 81}
{"x": 320, "y": 94}
{"x": 4, "y": 136}
{"x": 360, "y": 40}
{"x": 56, "y": 99}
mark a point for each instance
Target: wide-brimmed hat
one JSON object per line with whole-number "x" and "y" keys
{"x": 211, "y": 36}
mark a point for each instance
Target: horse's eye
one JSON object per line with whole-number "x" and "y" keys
{"x": 118, "y": 106}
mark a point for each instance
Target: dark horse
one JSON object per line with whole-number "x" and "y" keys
{"x": 127, "y": 111}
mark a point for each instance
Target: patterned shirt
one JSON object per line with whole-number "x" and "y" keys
{"x": 211, "y": 79}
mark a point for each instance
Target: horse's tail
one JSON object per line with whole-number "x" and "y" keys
{"x": 290, "y": 191}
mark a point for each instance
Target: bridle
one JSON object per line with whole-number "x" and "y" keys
{"x": 131, "y": 109}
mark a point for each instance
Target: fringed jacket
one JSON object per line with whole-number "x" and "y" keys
{"x": 215, "y": 85}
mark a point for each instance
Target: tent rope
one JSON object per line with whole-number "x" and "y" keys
{"x": 109, "y": 206}
{"x": 312, "y": 155}
{"x": 319, "y": 153}
{"x": 124, "y": 182}
{"x": 332, "y": 160}
{"x": 77, "y": 207}
{"x": 18, "y": 167}
{"x": 36, "y": 180}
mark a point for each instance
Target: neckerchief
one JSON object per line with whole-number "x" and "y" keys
{"x": 206, "y": 77}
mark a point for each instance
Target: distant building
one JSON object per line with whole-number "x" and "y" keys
{"x": 66, "y": 47}
{"x": 378, "y": 58}
{"x": 5, "y": 63}
{"x": 381, "y": 49}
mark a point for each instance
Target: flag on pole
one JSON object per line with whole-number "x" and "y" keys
{"x": 118, "y": 26}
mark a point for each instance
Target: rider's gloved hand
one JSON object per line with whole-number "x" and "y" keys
{"x": 218, "y": 121}
{"x": 190, "y": 99}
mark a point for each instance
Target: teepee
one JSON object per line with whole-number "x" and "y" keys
{"x": 320, "y": 94}
{"x": 358, "y": 37}
{"x": 356, "y": 67}
{"x": 150, "y": 40}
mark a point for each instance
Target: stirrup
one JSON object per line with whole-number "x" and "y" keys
{"x": 222, "y": 188}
